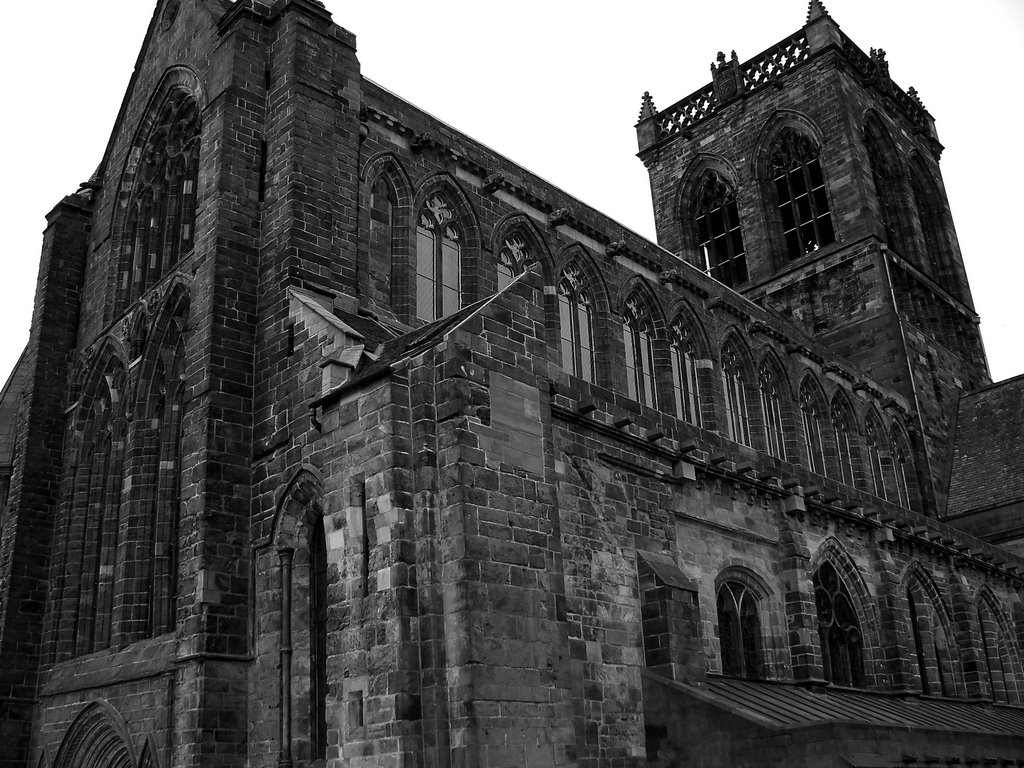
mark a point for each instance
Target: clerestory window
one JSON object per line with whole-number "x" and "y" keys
{"x": 737, "y": 418}
{"x": 719, "y": 237}
{"x": 810, "y": 419}
{"x": 576, "y": 317}
{"x": 795, "y": 170}
{"x": 637, "y": 337}
{"x": 513, "y": 259}
{"x": 438, "y": 261}
{"x": 685, "y": 383}
{"x": 771, "y": 407}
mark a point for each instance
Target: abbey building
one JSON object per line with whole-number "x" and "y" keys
{"x": 342, "y": 440}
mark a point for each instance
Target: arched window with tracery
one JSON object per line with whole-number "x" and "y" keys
{"x": 161, "y": 212}
{"x": 873, "y": 472}
{"x": 685, "y": 382}
{"x": 811, "y": 417}
{"x": 438, "y": 260}
{"x": 513, "y": 259}
{"x": 771, "y": 409}
{"x": 717, "y": 227}
{"x": 901, "y": 468}
{"x": 638, "y": 340}
{"x": 842, "y": 644}
{"x": 734, "y": 385}
{"x": 843, "y": 470}
{"x": 739, "y": 631}
{"x": 576, "y": 318}
{"x": 795, "y": 170}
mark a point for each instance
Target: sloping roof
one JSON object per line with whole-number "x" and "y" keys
{"x": 988, "y": 449}
{"x": 785, "y": 705}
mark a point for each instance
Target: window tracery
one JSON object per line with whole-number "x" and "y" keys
{"x": 771, "y": 408}
{"x": 844, "y": 446}
{"x": 576, "y": 318}
{"x": 719, "y": 236}
{"x": 810, "y": 418}
{"x": 734, "y": 385}
{"x": 739, "y": 631}
{"x": 795, "y": 170}
{"x": 842, "y": 645}
{"x": 513, "y": 259}
{"x": 438, "y": 261}
{"x": 685, "y": 382}
{"x": 162, "y": 209}
{"x": 637, "y": 336}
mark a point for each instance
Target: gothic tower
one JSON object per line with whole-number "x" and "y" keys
{"x": 807, "y": 180}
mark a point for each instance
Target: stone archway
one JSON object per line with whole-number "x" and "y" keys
{"x": 96, "y": 739}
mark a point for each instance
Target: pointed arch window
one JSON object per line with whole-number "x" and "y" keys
{"x": 685, "y": 382}
{"x": 844, "y": 469}
{"x": 637, "y": 337}
{"x": 161, "y": 216}
{"x": 771, "y": 408}
{"x": 933, "y": 659}
{"x": 930, "y": 217}
{"x": 885, "y": 174}
{"x": 874, "y": 476}
{"x": 383, "y": 203}
{"x": 513, "y": 259}
{"x": 739, "y": 631}
{"x": 842, "y": 645}
{"x": 795, "y": 170}
{"x": 438, "y": 261}
{"x": 734, "y": 385}
{"x": 900, "y": 460}
{"x": 999, "y": 656}
{"x": 810, "y": 418}
{"x": 318, "y": 601}
{"x": 576, "y": 317}
{"x": 717, "y": 226}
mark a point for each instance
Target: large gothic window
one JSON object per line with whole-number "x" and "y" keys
{"x": 811, "y": 419}
{"x": 576, "y": 316}
{"x": 717, "y": 225}
{"x": 734, "y": 385}
{"x": 438, "y": 261}
{"x": 930, "y": 647}
{"x": 795, "y": 169}
{"x": 513, "y": 259}
{"x": 638, "y": 339}
{"x": 160, "y": 224}
{"x": 886, "y": 176}
{"x": 771, "y": 408}
{"x": 739, "y": 631}
{"x": 929, "y": 214}
{"x": 685, "y": 383}
{"x": 842, "y": 646}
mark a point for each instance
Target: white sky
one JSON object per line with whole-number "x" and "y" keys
{"x": 555, "y": 85}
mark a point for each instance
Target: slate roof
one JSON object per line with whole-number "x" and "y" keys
{"x": 987, "y": 467}
{"x": 784, "y": 705}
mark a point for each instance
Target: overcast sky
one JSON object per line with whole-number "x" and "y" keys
{"x": 556, "y": 86}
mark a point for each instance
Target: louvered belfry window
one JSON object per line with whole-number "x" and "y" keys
{"x": 795, "y": 169}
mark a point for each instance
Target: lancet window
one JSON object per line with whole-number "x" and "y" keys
{"x": 717, "y": 226}
{"x": 900, "y": 460}
{"x": 438, "y": 260}
{"x": 873, "y": 455}
{"x": 576, "y": 317}
{"x": 771, "y": 408}
{"x": 844, "y": 464}
{"x": 638, "y": 339}
{"x": 795, "y": 170}
{"x": 929, "y": 215}
{"x": 685, "y": 382}
{"x": 739, "y": 631}
{"x": 842, "y": 645}
{"x": 383, "y": 203}
{"x": 734, "y": 385}
{"x": 811, "y": 418}
{"x": 513, "y": 259}
{"x": 885, "y": 174}
{"x": 160, "y": 224}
